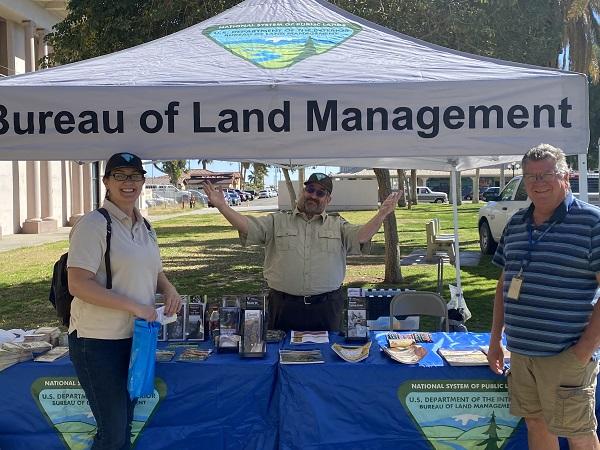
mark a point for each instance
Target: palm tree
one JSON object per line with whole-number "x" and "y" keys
{"x": 581, "y": 33}
{"x": 205, "y": 163}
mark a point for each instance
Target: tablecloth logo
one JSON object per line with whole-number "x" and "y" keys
{"x": 468, "y": 414}
{"x": 277, "y": 45}
{"x": 62, "y": 401}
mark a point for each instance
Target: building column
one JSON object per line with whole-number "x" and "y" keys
{"x": 33, "y": 223}
{"x": 50, "y": 222}
{"x": 77, "y": 192}
{"x": 88, "y": 193}
{"x": 29, "y": 45}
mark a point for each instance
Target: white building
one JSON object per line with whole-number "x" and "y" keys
{"x": 38, "y": 196}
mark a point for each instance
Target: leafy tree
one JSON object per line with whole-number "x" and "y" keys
{"x": 174, "y": 169}
{"x": 93, "y": 28}
{"x": 259, "y": 173}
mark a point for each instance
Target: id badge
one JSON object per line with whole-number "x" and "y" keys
{"x": 515, "y": 287}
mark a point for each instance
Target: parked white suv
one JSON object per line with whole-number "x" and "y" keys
{"x": 424, "y": 194}
{"x": 494, "y": 215}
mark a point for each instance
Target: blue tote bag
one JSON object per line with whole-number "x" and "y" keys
{"x": 140, "y": 380}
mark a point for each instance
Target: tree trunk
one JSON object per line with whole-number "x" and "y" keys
{"x": 413, "y": 187}
{"x": 393, "y": 272}
{"x": 476, "y": 187}
{"x": 401, "y": 186}
{"x": 290, "y": 187}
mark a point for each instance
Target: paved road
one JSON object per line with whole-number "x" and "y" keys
{"x": 14, "y": 241}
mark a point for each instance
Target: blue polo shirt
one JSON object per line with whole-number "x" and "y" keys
{"x": 559, "y": 259}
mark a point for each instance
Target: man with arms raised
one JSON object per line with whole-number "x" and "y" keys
{"x": 305, "y": 254}
{"x": 550, "y": 255}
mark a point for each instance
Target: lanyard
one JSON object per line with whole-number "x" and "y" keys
{"x": 532, "y": 243}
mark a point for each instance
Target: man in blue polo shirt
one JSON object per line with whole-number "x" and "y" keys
{"x": 544, "y": 303}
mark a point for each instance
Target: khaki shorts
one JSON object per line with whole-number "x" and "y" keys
{"x": 558, "y": 388}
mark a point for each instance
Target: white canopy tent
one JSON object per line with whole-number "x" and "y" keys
{"x": 297, "y": 82}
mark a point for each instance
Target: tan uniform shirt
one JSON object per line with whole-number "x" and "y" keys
{"x": 135, "y": 265}
{"x": 303, "y": 257}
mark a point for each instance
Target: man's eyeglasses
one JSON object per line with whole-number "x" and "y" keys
{"x": 124, "y": 177}
{"x": 318, "y": 192}
{"x": 546, "y": 177}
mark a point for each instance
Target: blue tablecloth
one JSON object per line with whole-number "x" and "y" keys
{"x": 231, "y": 403}
{"x": 221, "y": 403}
{"x": 380, "y": 404}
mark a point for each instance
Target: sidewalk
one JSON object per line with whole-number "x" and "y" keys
{"x": 15, "y": 241}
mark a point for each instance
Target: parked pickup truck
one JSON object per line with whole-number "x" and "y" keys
{"x": 494, "y": 216}
{"x": 424, "y": 194}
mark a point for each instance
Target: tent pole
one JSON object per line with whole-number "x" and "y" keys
{"x": 453, "y": 178}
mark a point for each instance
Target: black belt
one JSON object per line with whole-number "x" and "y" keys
{"x": 306, "y": 299}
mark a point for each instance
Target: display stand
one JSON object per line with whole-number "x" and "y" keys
{"x": 195, "y": 329}
{"x": 253, "y": 343}
{"x": 228, "y": 339}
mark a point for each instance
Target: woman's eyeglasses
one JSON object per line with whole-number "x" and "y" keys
{"x": 318, "y": 192}
{"x": 124, "y": 177}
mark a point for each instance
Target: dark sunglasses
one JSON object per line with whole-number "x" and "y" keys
{"x": 318, "y": 192}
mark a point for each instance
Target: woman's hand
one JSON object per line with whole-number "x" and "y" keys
{"x": 172, "y": 301}
{"x": 145, "y": 312}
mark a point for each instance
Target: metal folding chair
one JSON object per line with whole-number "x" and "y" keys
{"x": 419, "y": 304}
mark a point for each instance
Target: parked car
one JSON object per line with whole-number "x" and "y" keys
{"x": 468, "y": 195}
{"x": 494, "y": 216}
{"x": 234, "y": 198}
{"x": 264, "y": 194}
{"x": 491, "y": 193}
{"x": 424, "y": 194}
{"x": 245, "y": 195}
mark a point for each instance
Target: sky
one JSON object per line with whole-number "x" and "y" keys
{"x": 273, "y": 176}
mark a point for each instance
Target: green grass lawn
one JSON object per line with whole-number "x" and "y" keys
{"x": 201, "y": 255}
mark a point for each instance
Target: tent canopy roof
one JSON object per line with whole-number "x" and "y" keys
{"x": 374, "y": 55}
{"x": 298, "y": 82}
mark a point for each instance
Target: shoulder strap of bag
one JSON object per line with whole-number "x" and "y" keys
{"x": 104, "y": 212}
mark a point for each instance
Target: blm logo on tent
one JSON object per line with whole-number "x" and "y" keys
{"x": 276, "y": 45}
{"x": 62, "y": 401}
{"x": 461, "y": 415}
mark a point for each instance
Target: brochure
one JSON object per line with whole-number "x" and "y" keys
{"x": 408, "y": 355}
{"x": 253, "y": 331}
{"x": 312, "y": 337}
{"x": 195, "y": 325}
{"x": 175, "y": 331}
{"x": 352, "y": 353}
{"x": 164, "y": 355}
{"x": 485, "y": 348}
{"x": 300, "y": 356}
{"x": 52, "y": 355}
{"x": 193, "y": 355}
{"x": 464, "y": 357}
